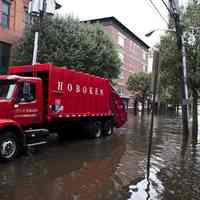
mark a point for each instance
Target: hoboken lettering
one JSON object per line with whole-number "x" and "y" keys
{"x": 80, "y": 89}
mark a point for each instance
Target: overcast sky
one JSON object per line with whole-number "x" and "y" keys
{"x": 138, "y": 15}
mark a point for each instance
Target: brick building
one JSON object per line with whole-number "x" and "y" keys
{"x": 132, "y": 51}
{"x": 12, "y": 23}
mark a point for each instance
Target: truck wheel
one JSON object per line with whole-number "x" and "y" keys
{"x": 108, "y": 128}
{"x": 95, "y": 130}
{"x": 61, "y": 136}
{"x": 8, "y": 146}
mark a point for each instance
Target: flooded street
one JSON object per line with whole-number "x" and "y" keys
{"x": 112, "y": 168}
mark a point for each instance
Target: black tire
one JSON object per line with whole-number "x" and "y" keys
{"x": 9, "y": 146}
{"x": 95, "y": 129}
{"x": 61, "y": 135}
{"x": 108, "y": 128}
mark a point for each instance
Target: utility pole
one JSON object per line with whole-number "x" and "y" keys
{"x": 38, "y": 8}
{"x": 183, "y": 66}
{"x": 156, "y": 63}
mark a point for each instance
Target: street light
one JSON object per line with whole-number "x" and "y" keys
{"x": 153, "y": 31}
{"x": 158, "y": 29}
{"x": 150, "y": 33}
{"x": 170, "y": 30}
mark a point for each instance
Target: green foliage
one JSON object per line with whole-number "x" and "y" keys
{"x": 169, "y": 69}
{"x": 170, "y": 57}
{"x": 192, "y": 38}
{"x": 140, "y": 84}
{"x": 64, "y": 41}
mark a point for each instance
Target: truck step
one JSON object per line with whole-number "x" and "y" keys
{"x": 36, "y": 137}
{"x": 36, "y": 131}
{"x": 36, "y": 144}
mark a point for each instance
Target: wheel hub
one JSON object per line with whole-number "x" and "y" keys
{"x": 8, "y": 148}
{"x": 109, "y": 131}
{"x": 98, "y": 133}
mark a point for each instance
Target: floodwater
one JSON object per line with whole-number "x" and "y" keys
{"x": 112, "y": 168}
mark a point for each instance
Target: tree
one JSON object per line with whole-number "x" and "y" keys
{"x": 140, "y": 85}
{"x": 65, "y": 41}
{"x": 192, "y": 37}
{"x": 169, "y": 90}
{"x": 169, "y": 56}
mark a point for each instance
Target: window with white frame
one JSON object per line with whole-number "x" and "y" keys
{"x": 121, "y": 56}
{"x": 144, "y": 55}
{"x": 145, "y": 68}
{"x": 121, "y": 76}
{"x": 121, "y": 40}
{"x": 121, "y": 91}
{"x": 5, "y": 17}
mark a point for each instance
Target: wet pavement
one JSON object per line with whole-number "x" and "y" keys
{"x": 112, "y": 168}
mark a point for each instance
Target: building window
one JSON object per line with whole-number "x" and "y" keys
{"x": 121, "y": 40}
{"x": 121, "y": 76}
{"x": 132, "y": 46}
{"x": 4, "y": 57}
{"x": 121, "y": 91}
{"x": 28, "y": 18}
{"x": 5, "y": 13}
{"x": 144, "y": 55}
{"x": 145, "y": 68}
{"x": 121, "y": 56}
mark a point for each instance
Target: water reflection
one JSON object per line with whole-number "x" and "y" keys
{"x": 144, "y": 188}
{"x": 172, "y": 169}
{"x": 113, "y": 168}
{"x": 55, "y": 174}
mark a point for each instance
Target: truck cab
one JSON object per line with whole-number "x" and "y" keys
{"x": 21, "y": 108}
{"x": 21, "y": 100}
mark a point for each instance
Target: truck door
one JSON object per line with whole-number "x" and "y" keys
{"x": 27, "y": 108}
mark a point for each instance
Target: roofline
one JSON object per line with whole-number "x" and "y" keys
{"x": 123, "y": 27}
{"x": 17, "y": 77}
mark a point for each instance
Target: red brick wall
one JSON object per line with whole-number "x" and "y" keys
{"x": 17, "y": 22}
{"x": 133, "y": 61}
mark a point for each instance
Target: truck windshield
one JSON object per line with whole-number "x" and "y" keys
{"x": 6, "y": 89}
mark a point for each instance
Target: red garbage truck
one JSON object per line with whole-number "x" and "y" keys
{"x": 37, "y": 100}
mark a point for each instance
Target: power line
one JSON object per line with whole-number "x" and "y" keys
{"x": 157, "y": 10}
{"x": 166, "y": 6}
